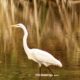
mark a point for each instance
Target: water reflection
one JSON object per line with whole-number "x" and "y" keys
{"x": 26, "y": 77}
{"x": 30, "y": 71}
{"x": 15, "y": 72}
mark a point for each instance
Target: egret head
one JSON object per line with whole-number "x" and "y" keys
{"x": 20, "y": 25}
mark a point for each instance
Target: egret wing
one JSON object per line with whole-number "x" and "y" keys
{"x": 42, "y": 56}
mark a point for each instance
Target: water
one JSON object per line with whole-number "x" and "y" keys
{"x": 30, "y": 71}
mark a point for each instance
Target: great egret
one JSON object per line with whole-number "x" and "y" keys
{"x": 37, "y": 55}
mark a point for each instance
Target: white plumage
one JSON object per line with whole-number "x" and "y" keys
{"x": 37, "y": 55}
{"x": 45, "y": 58}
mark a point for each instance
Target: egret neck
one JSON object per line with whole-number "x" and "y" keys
{"x": 26, "y": 48}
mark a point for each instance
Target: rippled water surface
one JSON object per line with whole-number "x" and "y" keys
{"x": 31, "y": 72}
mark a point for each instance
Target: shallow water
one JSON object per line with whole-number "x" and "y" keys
{"x": 24, "y": 71}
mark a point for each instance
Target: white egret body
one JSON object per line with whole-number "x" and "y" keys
{"x": 37, "y": 55}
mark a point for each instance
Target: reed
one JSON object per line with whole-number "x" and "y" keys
{"x": 53, "y": 25}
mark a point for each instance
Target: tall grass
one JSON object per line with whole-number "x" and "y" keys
{"x": 53, "y": 25}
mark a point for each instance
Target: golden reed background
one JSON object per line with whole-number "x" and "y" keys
{"x": 53, "y": 25}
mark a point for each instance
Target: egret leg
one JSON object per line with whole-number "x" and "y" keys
{"x": 40, "y": 73}
{"x": 51, "y": 78}
{"x": 50, "y": 70}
